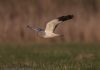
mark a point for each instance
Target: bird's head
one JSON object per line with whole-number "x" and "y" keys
{"x": 38, "y": 29}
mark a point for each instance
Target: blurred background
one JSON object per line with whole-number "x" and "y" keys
{"x": 16, "y": 14}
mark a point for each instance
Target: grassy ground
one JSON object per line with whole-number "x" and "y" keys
{"x": 50, "y": 56}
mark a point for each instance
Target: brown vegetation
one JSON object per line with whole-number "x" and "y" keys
{"x": 16, "y": 14}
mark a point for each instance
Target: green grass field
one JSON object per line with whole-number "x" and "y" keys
{"x": 50, "y": 56}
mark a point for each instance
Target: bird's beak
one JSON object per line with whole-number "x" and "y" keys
{"x": 28, "y": 26}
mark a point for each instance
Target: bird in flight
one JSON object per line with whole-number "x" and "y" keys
{"x": 51, "y": 26}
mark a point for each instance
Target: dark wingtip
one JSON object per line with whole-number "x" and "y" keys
{"x": 70, "y": 16}
{"x": 64, "y": 18}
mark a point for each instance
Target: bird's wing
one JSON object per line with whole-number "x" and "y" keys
{"x": 50, "y": 27}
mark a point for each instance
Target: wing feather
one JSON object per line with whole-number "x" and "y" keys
{"x": 52, "y": 25}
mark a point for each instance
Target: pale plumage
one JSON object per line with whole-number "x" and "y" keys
{"x": 51, "y": 26}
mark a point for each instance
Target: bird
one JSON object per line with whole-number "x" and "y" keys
{"x": 51, "y": 26}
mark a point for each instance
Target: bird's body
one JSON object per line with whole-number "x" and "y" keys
{"x": 50, "y": 35}
{"x": 51, "y": 26}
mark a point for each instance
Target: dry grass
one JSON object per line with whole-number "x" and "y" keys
{"x": 16, "y": 14}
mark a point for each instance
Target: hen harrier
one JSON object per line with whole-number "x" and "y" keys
{"x": 51, "y": 26}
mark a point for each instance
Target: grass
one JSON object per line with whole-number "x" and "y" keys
{"x": 50, "y": 56}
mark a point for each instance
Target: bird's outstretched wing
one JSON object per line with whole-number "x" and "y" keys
{"x": 51, "y": 26}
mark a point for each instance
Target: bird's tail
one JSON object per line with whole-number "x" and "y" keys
{"x": 64, "y": 18}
